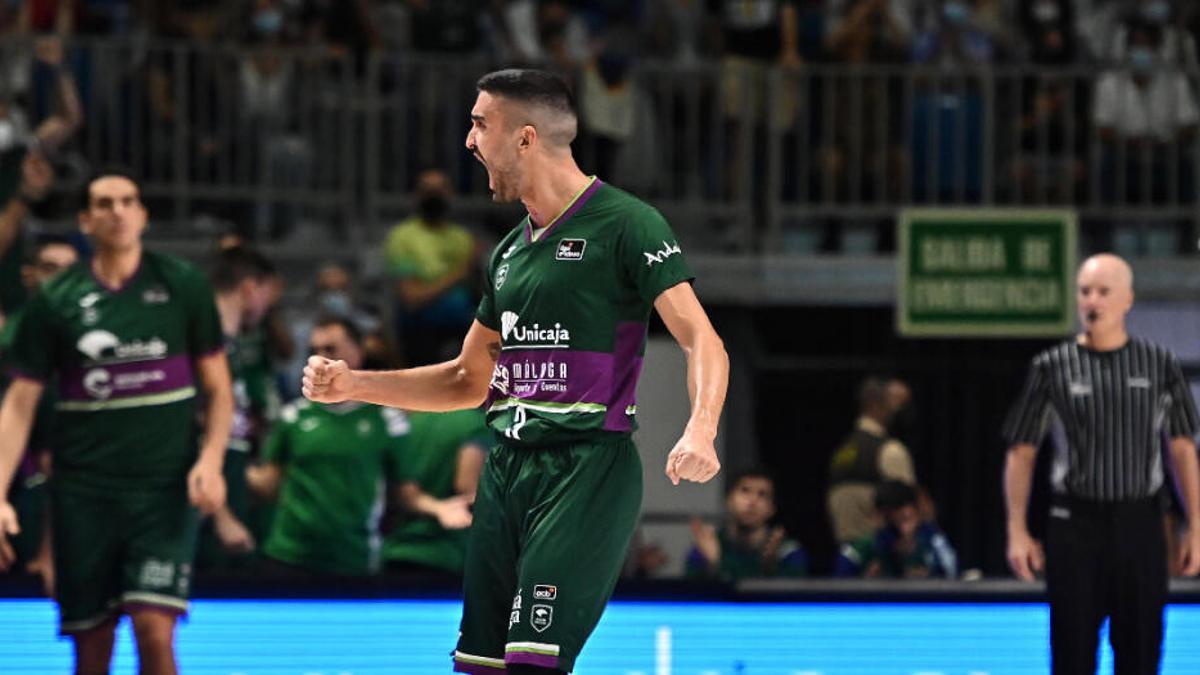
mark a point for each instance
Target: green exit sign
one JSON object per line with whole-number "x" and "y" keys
{"x": 986, "y": 272}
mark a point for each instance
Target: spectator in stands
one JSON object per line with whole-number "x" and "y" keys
{"x": 26, "y": 175}
{"x": 674, "y": 30}
{"x": 445, "y": 26}
{"x": 1053, "y": 113}
{"x": 1175, "y": 46}
{"x": 347, "y": 28}
{"x": 28, "y": 495}
{"x": 746, "y": 545}
{"x": 326, "y": 466}
{"x": 907, "y": 546}
{"x": 242, "y": 279}
{"x": 959, "y": 32}
{"x": 432, "y": 259}
{"x": 438, "y": 473}
{"x": 543, "y": 32}
{"x": 1145, "y": 112}
{"x": 1096, "y": 22}
{"x": 753, "y": 36}
{"x": 867, "y": 112}
{"x": 867, "y": 457}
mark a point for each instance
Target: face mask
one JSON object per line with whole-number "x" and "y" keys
{"x": 268, "y": 22}
{"x": 8, "y": 135}
{"x": 956, "y": 12}
{"x": 336, "y": 303}
{"x": 1141, "y": 59}
{"x": 433, "y": 208}
{"x": 1158, "y": 11}
{"x": 1045, "y": 12}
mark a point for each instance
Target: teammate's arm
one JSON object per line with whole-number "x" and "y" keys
{"x": 453, "y": 385}
{"x": 471, "y": 457}
{"x": 1024, "y": 553}
{"x": 206, "y": 483}
{"x": 1186, "y": 469}
{"x": 264, "y": 480}
{"x": 16, "y": 419}
{"x": 452, "y": 513}
{"x": 694, "y": 457}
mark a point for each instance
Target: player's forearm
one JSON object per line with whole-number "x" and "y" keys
{"x": 436, "y": 388}
{"x": 16, "y": 419}
{"x": 217, "y": 424}
{"x": 708, "y": 380}
{"x": 1018, "y": 479}
{"x": 1186, "y": 468}
{"x": 416, "y": 500}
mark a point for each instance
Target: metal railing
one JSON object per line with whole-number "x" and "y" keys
{"x": 741, "y": 158}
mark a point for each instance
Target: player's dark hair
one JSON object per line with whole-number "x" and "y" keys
{"x": 45, "y": 240}
{"x": 872, "y": 392}
{"x": 893, "y": 494}
{"x": 537, "y": 87}
{"x": 234, "y": 265}
{"x": 750, "y": 472}
{"x": 352, "y": 330}
{"x": 108, "y": 171}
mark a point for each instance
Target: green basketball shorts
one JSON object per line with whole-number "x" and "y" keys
{"x": 113, "y": 551}
{"x": 550, "y": 534}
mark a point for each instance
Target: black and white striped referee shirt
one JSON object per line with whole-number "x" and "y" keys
{"x": 1109, "y": 412}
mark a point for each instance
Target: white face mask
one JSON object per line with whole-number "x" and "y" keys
{"x": 1045, "y": 12}
{"x": 8, "y": 135}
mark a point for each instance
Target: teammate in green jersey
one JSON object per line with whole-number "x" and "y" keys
{"x": 555, "y": 352}
{"x": 328, "y": 465}
{"x": 439, "y": 476}
{"x": 126, "y": 338}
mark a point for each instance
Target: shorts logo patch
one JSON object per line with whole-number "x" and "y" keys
{"x": 545, "y": 592}
{"x": 570, "y": 249}
{"x": 157, "y": 574}
{"x": 540, "y": 617}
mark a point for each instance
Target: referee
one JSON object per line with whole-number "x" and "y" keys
{"x": 1112, "y": 400}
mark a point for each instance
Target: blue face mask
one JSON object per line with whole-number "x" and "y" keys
{"x": 268, "y": 22}
{"x": 1158, "y": 11}
{"x": 1142, "y": 59}
{"x": 337, "y": 303}
{"x": 956, "y": 12}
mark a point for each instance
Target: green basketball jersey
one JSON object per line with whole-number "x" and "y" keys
{"x": 123, "y": 358}
{"x": 335, "y": 460}
{"x": 430, "y": 459}
{"x": 571, "y": 308}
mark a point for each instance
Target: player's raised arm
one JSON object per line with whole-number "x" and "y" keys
{"x": 453, "y": 385}
{"x": 694, "y": 457}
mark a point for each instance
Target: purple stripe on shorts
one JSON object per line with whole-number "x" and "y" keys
{"x": 627, "y": 365}
{"x": 527, "y": 658}
{"x": 476, "y": 669}
{"x": 123, "y": 380}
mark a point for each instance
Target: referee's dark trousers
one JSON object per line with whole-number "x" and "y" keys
{"x": 1106, "y": 559}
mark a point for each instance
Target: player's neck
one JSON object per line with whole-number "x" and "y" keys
{"x": 115, "y": 268}
{"x": 230, "y": 310}
{"x": 554, "y": 188}
{"x": 1104, "y": 341}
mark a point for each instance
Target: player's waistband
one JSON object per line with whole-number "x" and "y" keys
{"x": 565, "y": 442}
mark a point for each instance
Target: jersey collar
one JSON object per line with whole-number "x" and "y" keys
{"x": 569, "y": 210}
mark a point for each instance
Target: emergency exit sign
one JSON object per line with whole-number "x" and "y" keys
{"x": 986, "y": 273}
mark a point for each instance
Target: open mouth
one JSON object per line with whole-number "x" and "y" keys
{"x": 1092, "y": 316}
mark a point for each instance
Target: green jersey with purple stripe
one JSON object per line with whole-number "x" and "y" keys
{"x": 571, "y": 307}
{"x": 123, "y": 358}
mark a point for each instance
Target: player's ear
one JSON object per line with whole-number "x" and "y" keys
{"x": 528, "y": 136}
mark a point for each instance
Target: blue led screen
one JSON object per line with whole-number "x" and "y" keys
{"x": 355, "y": 637}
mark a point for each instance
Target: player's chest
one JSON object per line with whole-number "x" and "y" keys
{"x": 135, "y": 324}
{"x": 564, "y": 271}
{"x": 331, "y": 437}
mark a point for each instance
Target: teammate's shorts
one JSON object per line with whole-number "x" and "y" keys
{"x": 114, "y": 551}
{"x": 550, "y": 534}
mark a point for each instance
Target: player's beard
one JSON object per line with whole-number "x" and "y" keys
{"x": 505, "y": 185}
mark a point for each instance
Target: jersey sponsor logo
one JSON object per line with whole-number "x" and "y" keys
{"x": 533, "y": 335}
{"x": 500, "y": 379}
{"x": 501, "y": 276}
{"x": 100, "y": 345}
{"x": 668, "y": 250}
{"x": 540, "y": 617}
{"x": 1139, "y": 382}
{"x": 570, "y": 249}
{"x": 545, "y": 592}
{"x": 529, "y": 377}
{"x": 156, "y": 296}
{"x": 98, "y": 383}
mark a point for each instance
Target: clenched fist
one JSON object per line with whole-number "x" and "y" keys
{"x": 693, "y": 459}
{"x": 327, "y": 381}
